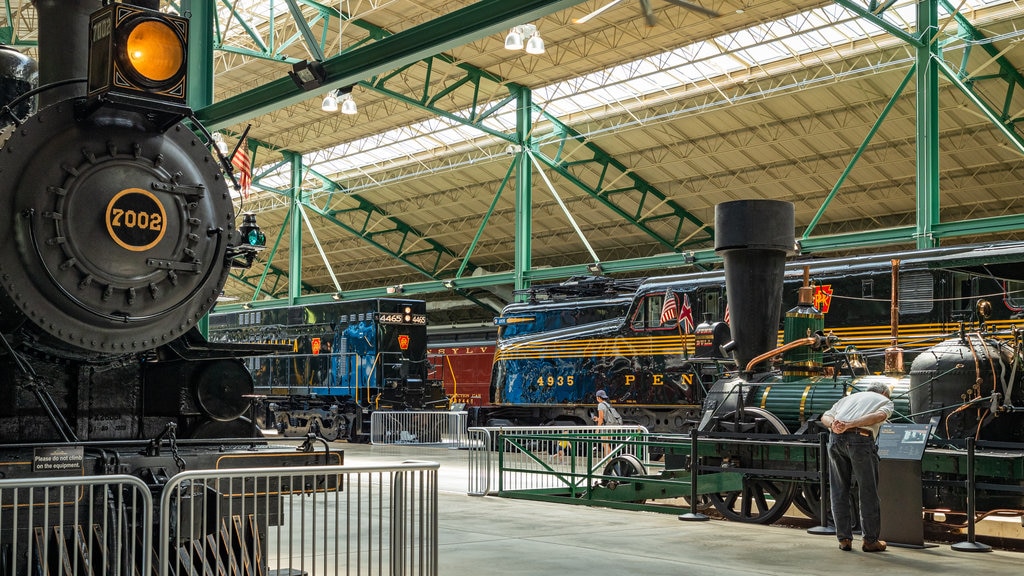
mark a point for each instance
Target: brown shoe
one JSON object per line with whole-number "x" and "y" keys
{"x": 846, "y": 544}
{"x": 876, "y": 546}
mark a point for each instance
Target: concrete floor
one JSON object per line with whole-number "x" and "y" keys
{"x": 504, "y": 537}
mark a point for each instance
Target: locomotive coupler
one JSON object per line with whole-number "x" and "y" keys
{"x": 153, "y": 448}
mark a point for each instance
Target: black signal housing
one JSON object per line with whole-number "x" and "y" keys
{"x": 138, "y": 59}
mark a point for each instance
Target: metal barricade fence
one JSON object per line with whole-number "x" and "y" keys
{"x": 75, "y": 525}
{"x": 435, "y": 427}
{"x": 545, "y": 451}
{"x": 303, "y": 520}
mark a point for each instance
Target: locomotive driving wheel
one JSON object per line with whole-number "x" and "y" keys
{"x": 761, "y": 500}
{"x": 625, "y": 466}
{"x": 808, "y": 500}
{"x": 622, "y": 466}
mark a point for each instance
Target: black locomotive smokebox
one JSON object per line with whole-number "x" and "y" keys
{"x": 754, "y": 237}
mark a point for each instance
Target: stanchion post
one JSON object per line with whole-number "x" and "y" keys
{"x": 970, "y": 545}
{"x": 693, "y": 515}
{"x": 823, "y": 528}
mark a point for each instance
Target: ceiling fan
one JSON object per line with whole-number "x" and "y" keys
{"x": 648, "y": 12}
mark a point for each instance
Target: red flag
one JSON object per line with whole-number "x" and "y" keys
{"x": 668, "y": 308}
{"x": 241, "y": 161}
{"x": 686, "y": 314}
{"x": 726, "y": 313}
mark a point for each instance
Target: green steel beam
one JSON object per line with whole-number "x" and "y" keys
{"x": 1000, "y": 122}
{"x": 636, "y": 200}
{"x": 474, "y": 78}
{"x": 524, "y": 189}
{"x": 269, "y": 48}
{"x": 669, "y": 261}
{"x": 314, "y": 46}
{"x": 457, "y": 28}
{"x": 874, "y": 17}
{"x": 386, "y": 232}
{"x": 927, "y": 124}
{"x": 363, "y": 219}
{"x": 200, "y": 52}
{"x": 490, "y": 210}
{"x": 908, "y": 234}
{"x": 860, "y": 150}
{"x": 1007, "y": 72}
{"x": 295, "y": 239}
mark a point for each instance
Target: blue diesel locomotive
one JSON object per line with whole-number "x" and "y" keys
{"x": 347, "y": 359}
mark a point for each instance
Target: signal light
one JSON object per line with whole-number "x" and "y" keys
{"x": 251, "y": 233}
{"x": 138, "y": 55}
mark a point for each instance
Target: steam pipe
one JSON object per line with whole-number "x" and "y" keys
{"x": 809, "y": 341}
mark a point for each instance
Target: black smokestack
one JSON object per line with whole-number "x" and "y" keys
{"x": 63, "y": 46}
{"x": 754, "y": 237}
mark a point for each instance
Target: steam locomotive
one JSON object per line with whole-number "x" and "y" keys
{"x": 636, "y": 338}
{"x": 739, "y": 380}
{"x": 966, "y": 387}
{"x": 119, "y": 236}
{"x": 346, "y": 359}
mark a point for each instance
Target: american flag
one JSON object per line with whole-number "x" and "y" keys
{"x": 726, "y": 314}
{"x": 241, "y": 162}
{"x": 668, "y": 308}
{"x": 686, "y": 314}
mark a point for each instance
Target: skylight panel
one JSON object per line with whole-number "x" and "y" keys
{"x": 817, "y": 30}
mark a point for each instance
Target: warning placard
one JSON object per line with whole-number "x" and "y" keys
{"x": 58, "y": 459}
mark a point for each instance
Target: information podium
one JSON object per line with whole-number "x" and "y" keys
{"x": 900, "y": 450}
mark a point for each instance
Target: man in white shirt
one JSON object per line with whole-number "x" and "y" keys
{"x": 854, "y": 421}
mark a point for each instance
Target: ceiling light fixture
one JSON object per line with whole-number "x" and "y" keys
{"x": 535, "y": 45}
{"x": 525, "y": 36}
{"x": 348, "y": 103}
{"x": 514, "y": 40}
{"x": 340, "y": 99}
{"x": 330, "y": 103}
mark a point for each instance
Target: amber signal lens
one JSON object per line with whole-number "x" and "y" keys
{"x": 155, "y": 51}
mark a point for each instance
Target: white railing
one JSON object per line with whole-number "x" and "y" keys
{"x": 75, "y": 525}
{"x": 244, "y": 522}
{"x": 303, "y": 520}
{"x": 433, "y": 427}
{"x": 487, "y": 445}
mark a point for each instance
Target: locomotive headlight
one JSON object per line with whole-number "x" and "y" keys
{"x": 154, "y": 52}
{"x": 137, "y": 55}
